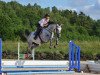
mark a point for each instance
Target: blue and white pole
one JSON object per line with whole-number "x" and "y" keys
{"x": 0, "y": 56}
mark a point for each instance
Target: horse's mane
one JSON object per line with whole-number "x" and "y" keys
{"x": 51, "y": 22}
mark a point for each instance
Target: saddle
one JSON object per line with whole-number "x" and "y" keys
{"x": 44, "y": 35}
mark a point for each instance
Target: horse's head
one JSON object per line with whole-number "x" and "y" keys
{"x": 55, "y": 27}
{"x": 58, "y": 30}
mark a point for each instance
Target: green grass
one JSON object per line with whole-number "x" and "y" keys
{"x": 93, "y": 46}
{"x": 13, "y": 46}
{"x": 87, "y": 47}
{"x": 60, "y": 47}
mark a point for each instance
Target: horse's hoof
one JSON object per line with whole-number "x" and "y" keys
{"x": 54, "y": 46}
{"x": 29, "y": 51}
{"x": 57, "y": 44}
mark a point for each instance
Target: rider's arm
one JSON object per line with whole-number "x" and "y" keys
{"x": 46, "y": 22}
{"x": 41, "y": 22}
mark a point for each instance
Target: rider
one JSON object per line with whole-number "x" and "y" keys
{"x": 41, "y": 24}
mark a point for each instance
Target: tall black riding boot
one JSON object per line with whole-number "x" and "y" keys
{"x": 37, "y": 33}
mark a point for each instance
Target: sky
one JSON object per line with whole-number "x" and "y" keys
{"x": 89, "y": 7}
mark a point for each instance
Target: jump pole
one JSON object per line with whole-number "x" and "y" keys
{"x": 18, "y": 51}
{"x": 74, "y": 56}
{"x": 33, "y": 52}
{"x": 0, "y": 56}
{"x": 72, "y": 65}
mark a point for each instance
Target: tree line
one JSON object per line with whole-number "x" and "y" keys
{"x": 15, "y": 18}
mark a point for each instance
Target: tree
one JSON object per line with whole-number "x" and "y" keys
{"x": 54, "y": 9}
{"x": 6, "y": 30}
{"x": 15, "y": 18}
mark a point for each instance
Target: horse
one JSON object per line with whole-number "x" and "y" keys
{"x": 47, "y": 34}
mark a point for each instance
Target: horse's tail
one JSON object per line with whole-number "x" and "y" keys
{"x": 26, "y": 34}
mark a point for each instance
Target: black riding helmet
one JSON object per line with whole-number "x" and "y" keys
{"x": 46, "y": 15}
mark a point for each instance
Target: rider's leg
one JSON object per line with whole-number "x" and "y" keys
{"x": 39, "y": 28}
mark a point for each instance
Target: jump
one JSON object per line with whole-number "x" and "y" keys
{"x": 74, "y": 63}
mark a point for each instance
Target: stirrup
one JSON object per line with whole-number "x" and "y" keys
{"x": 35, "y": 37}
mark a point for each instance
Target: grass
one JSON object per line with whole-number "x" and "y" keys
{"x": 87, "y": 47}
{"x": 93, "y": 46}
{"x": 60, "y": 47}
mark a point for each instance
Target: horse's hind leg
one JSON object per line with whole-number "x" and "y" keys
{"x": 34, "y": 45}
{"x": 29, "y": 47}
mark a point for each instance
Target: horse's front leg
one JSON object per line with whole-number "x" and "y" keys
{"x": 50, "y": 43}
{"x": 51, "y": 38}
{"x": 56, "y": 43}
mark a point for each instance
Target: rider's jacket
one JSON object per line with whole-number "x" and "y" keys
{"x": 43, "y": 21}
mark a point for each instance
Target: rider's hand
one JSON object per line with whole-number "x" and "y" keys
{"x": 45, "y": 24}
